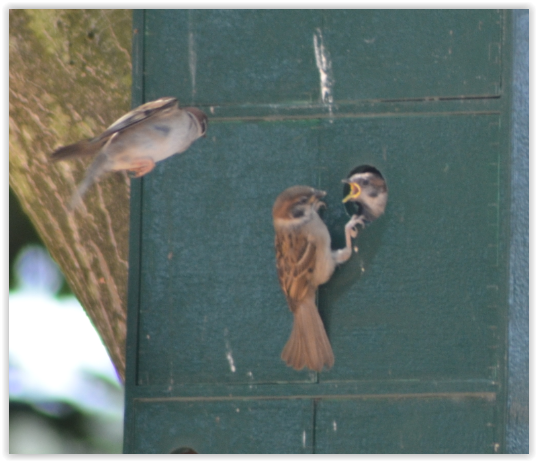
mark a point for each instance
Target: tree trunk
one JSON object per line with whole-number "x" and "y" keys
{"x": 69, "y": 78}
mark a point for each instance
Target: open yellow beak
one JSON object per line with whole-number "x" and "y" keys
{"x": 355, "y": 192}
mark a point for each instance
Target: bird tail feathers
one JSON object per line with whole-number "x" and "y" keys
{"x": 308, "y": 344}
{"x": 95, "y": 170}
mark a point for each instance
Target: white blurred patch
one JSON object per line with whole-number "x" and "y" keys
{"x": 55, "y": 353}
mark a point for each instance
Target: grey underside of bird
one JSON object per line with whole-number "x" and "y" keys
{"x": 308, "y": 344}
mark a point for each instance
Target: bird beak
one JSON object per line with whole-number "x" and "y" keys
{"x": 316, "y": 199}
{"x": 354, "y": 193}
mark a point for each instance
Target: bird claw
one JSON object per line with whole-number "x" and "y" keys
{"x": 351, "y": 225}
{"x": 141, "y": 167}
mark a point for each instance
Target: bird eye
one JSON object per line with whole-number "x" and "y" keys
{"x": 203, "y": 127}
{"x": 365, "y": 182}
{"x": 297, "y": 211}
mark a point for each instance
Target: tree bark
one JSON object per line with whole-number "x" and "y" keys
{"x": 69, "y": 78}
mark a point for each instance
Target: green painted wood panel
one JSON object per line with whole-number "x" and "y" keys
{"x": 222, "y": 427}
{"x": 208, "y": 257}
{"x": 420, "y": 300}
{"x": 213, "y": 230}
{"x": 223, "y": 57}
{"x": 416, "y": 319}
{"x": 405, "y": 426}
{"x": 393, "y": 54}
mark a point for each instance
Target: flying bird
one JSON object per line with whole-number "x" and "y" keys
{"x": 148, "y": 134}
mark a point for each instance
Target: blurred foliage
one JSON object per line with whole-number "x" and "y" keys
{"x": 74, "y": 432}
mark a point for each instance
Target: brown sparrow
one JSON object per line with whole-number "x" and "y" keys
{"x": 369, "y": 192}
{"x": 135, "y": 142}
{"x": 304, "y": 261}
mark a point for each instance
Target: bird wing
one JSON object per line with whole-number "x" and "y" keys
{"x": 295, "y": 260}
{"x": 143, "y": 112}
{"x": 84, "y": 148}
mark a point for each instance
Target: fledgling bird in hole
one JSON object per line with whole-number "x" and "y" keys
{"x": 368, "y": 191}
{"x": 148, "y": 134}
{"x": 305, "y": 260}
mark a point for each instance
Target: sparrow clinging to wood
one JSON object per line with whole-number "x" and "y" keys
{"x": 135, "y": 142}
{"x": 305, "y": 260}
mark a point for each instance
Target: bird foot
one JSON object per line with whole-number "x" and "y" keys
{"x": 350, "y": 227}
{"x": 141, "y": 166}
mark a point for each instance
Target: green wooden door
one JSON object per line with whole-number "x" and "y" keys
{"x": 417, "y": 319}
